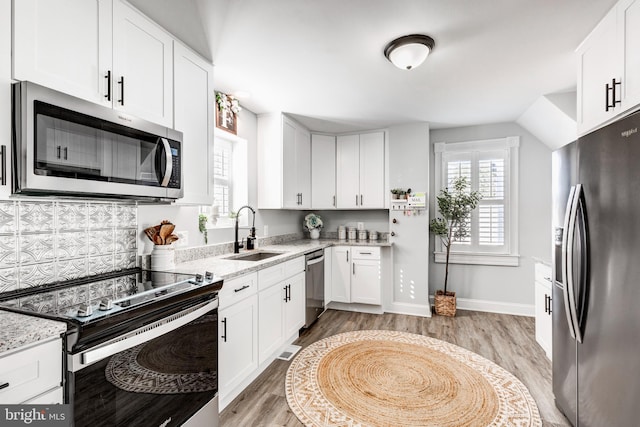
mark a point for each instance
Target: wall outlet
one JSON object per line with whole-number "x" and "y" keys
{"x": 183, "y": 238}
{"x": 265, "y": 231}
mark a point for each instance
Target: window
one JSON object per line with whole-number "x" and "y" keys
{"x": 222, "y": 173}
{"x": 230, "y": 180}
{"x": 491, "y": 167}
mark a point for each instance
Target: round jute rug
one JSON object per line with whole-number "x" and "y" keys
{"x": 389, "y": 378}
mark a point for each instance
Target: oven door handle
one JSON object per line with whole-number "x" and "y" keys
{"x": 141, "y": 335}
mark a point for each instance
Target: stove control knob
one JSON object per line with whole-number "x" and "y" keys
{"x": 85, "y": 310}
{"x": 208, "y": 276}
{"x": 198, "y": 278}
{"x": 106, "y": 304}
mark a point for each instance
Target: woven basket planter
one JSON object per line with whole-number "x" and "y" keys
{"x": 445, "y": 303}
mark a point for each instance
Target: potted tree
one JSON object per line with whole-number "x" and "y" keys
{"x": 452, "y": 225}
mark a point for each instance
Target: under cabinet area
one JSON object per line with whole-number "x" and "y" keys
{"x": 543, "y": 307}
{"x": 609, "y": 67}
{"x": 103, "y": 51}
{"x": 32, "y": 374}
{"x": 355, "y": 275}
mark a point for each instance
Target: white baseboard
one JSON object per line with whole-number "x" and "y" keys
{"x": 421, "y": 310}
{"x": 494, "y": 306}
{"x": 360, "y": 308}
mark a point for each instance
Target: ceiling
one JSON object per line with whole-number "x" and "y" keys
{"x": 323, "y": 61}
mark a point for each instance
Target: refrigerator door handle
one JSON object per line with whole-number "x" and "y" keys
{"x": 569, "y": 286}
{"x": 565, "y": 265}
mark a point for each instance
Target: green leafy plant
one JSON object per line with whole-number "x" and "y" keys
{"x": 202, "y": 226}
{"x": 455, "y": 208}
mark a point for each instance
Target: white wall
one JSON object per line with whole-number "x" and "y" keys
{"x": 509, "y": 285}
{"x": 186, "y": 217}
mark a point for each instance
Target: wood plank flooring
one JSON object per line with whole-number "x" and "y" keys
{"x": 509, "y": 341}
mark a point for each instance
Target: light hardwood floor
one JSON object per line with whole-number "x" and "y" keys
{"x": 506, "y": 340}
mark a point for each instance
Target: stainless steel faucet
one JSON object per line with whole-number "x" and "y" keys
{"x": 252, "y": 235}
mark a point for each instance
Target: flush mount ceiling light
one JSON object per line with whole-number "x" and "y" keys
{"x": 410, "y": 51}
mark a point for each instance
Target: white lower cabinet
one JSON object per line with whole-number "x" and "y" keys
{"x": 355, "y": 275}
{"x": 270, "y": 325}
{"x": 281, "y": 302}
{"x": 238, "y": 343}
{"x": 237, "y": 334}
{"x": 33, "y": 374}
{"x": 543, "y": 312}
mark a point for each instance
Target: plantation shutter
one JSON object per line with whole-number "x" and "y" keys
{"x": 222, "y": 161}
{"x": 487, "y": 172}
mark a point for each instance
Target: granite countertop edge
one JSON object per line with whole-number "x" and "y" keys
{"x": 22, "y": 330}
{"x": 226, "y": 268}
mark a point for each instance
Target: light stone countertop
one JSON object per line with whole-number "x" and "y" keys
{"x": 229, "y": 268}
{"x": 18, "y": 330}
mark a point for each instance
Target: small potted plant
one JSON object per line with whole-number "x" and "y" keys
{"x": 314, "y": 224}
{"x": 452, "y": 225}
{"x": 397, "y": 193}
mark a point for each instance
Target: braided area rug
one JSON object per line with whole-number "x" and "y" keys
{"x": 389, "y": 378}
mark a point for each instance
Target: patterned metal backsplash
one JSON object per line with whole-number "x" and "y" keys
{"x": 47, "y": 241}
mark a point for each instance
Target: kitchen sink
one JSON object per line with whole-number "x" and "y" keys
{"x": 254, "y": 256}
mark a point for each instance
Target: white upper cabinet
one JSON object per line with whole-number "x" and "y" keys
{"x": 360, "y": 166}
{"x": 194, "y": 103}
{"x": 609, "y": 67}
{"x": 323, "y": 172}
{"x": 103, "y": 51}
{"x": 142, "y": 63}
{"x": 284, "y": 163}
{"x": 65, "y": 45}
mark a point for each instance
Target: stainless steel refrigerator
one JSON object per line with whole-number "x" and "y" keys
{"x": 596, "y": 292}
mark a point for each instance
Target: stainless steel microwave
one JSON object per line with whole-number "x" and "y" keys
{"x": 63, "y": 145}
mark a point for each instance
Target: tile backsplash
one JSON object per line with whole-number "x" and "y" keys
{"x": 45, "y": 241}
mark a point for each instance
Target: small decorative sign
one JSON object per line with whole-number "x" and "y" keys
{"x": 227, "y": 112}
{"x": 417, "y": 200}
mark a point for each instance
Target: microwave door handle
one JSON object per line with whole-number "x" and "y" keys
{"x": 565, "y": 264}
{"x": 168, "y": 168}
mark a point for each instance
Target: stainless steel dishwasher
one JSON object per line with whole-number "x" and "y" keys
{"x": 314, "y": 280}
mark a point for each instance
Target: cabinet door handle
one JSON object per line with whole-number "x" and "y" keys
{"x": 395, "y": 221}
{"x": 224, "y": 329}
{"x": 241, "y": 289}
{"x": 301, "y": 198}
{"x": 354, "y": 268}
{"x": 334, "y": 200}
{"x": 108, "y": 77}
{"x": 58, "y": 149}
{"x": 121, "y": 83}
{"x": 546, "y": 303}
{"x": 361, "y": 203}
{"x": 3, "y": 159}
{"x": 347, "y": 256}
{"x": 5, "y": 385}
{"x": 611, "y": 101}
{"x": 286, "y": 293}
{"x": 66, "y": 152}
{"x": 289, "y": 288}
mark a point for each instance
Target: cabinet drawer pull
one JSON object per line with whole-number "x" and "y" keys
{"x": 108, "y": 77}
{"x": 365, "y": 253}
{"x": 5, "y": 385}
{"x": 121, "y": 83}
{"x": 3, "y": 159}
{"x": 241, "y": 289}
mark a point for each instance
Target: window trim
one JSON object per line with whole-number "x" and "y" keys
{"x": 511, "y": 256}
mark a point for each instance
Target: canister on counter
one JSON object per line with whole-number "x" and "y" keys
{"x": 353, "y": 233}
{"x": 342, "y": 232}
{"x": 362, "y": 235}
{"x": 373, "y": 235}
